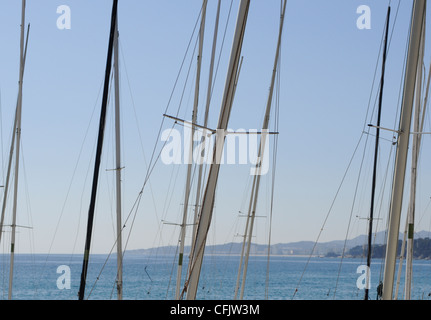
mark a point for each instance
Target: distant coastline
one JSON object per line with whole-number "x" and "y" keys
{"x": 352, "y": 248}
{"x": 421, "y": 250}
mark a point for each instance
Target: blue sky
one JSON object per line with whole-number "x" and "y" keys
{"x": 327, "y": 72}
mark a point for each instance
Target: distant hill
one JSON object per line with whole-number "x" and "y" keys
{"x": 421, "y": 249}
{"x": 294, "y": 248}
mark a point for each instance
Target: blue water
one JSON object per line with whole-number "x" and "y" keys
{"x": 153, "y": 278}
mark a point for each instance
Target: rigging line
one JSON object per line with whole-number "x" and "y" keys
{"x": 380, "y": 138}
{"x": 10, "y": 138}
{"x": 327, "y": 215}
{"x": 382, "y": 194}
{"x": 274, "y": 165}
{"x": 221, "y": 48}
{"x": 115, "y": 242}
{"x": 270, "y": 220}
{"x": 401, "y": 81}
{"x": 383, "y": 189}
{"x": 389, "y": 44}
{"x": 149, "y": 173}
{"x": 151, "y": 280}
{"x": 70, "y": 186}
{"x": 170, "y": 194}
{"x": 175, "y": 84}
{"x": 76, "y": 167}
{"x": 133, "y": 100}
{"x": 30, "y": 222}
{"x": 153, "y": 163}
{"x": 151, "y": 167}
{"x": 28, "y": 203}
{"x": 81, "y": 202}
{"x": 102, "y": 268}
{"x": 165, "y": 210}
{"x": 378, "y": 59}
{"x": 424, "y": 212}
{"x": 381, "y": 199}
{"x": 187, "y": 77}
{"x": 373, "y": 82}
{"x": 351, "y": 214}
{"x": 136, "y": 120}
{"x": 102, "y": 158}
{"x": 134, "y": 208}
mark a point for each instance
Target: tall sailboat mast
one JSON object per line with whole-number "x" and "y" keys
{"x": 418, "y": 16}
{"x": 118, "y": 167}
{"x": 17, "y": 149}
{"x": 206, "y": 209}
{"x": 376, "y": 154}
{"x": 12, "y": 146}
{"x": 415, "y": 158}
{"x": 257, "y": 175}
{"x": 205, "y": 125}
{"x": 98, "y": 152}
{"x": 190, "y": 152}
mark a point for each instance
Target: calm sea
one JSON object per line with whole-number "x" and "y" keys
{"x": 57, "y": 277}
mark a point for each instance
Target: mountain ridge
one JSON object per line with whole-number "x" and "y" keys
{"x": 292, "y": 248}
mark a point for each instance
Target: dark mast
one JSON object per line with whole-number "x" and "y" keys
{"x": 373, "y": 190}
{"x": 98, "y": 151}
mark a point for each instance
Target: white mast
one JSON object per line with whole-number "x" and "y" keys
{"x": 17, "y": 148}
{"x": 403, "y": 143}
{"x": 190, "y": 154}
{"x": 205, "y": 125}
{"x": 403, "y": 247}
{"x": 415, "y": 156}
{"x": 256, "y": 180}
{"x": 118, "y": 165}
{"x": 420, "y": 130}
{"x": 208, "y": 201}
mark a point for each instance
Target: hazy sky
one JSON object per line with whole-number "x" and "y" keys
{"x": 327, "y": 73}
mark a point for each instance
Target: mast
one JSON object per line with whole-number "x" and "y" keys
{"x": 118, "y": 165}
{"x": 206, "y": 209}
{"x": 402, "y": 149}
{"x": 98, "y": 153}
{"x": 190, "y": 153}
{"x": 238, "y": 277}
{"x": 204, "y": 133}
{"x": 414, "y": 165}
{"x": 12, "y": 145}
{"x": 376, "y": 154}
{"x": 17, "y": 149}
{"x": 403, "y": 247}
{"x": 256, "y": 180}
